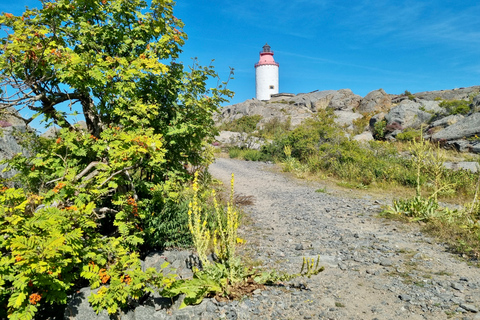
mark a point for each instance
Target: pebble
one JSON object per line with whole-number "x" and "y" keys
{"x": 469, "y": 307}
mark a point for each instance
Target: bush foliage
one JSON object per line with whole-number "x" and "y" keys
{"x": 246, "y": 124}
{"x": 88, "y": 201}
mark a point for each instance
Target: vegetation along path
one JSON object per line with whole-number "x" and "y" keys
{"x": 374, "y": 268}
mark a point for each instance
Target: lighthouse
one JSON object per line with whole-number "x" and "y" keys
{"x": 266, "y": 74}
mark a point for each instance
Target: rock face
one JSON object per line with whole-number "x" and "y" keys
{"x": 346, "y": 118}
{"x": 454, "y": 94}
{"x": 408, "y": 115}
{"x": 420, "y": 110}
{"x": 11, "y": 129}
{"x": 153, "y": 306}
{"x": 314, "y": 101}
{"x": 375, "y": 101}
{"x": 296, "y": 108}
{"x": 464, "y": 128}
{"x": 239, "y": 139}
{"x": 345, "y": 100}
{"x": 447, "y": 121}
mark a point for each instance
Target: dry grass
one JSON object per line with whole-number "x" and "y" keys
{"x": 460, "y": 240}
{"x": 242, "y": 200}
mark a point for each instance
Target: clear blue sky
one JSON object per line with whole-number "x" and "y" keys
{"x": 327, "y": 44}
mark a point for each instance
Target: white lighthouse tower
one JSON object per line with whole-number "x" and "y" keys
{"x": 266, "y": 74}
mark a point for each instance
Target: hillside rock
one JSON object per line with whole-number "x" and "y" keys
{"x": 462, "y": 165}
{"x": 9, "y": 146}
{"x": 453, "y": 94}
{"x": 282, "y": 110}
{"x": 429, "y": 106}
{"x": 344, "y": 100}
{"x": 408, "y": 115}
{"x": 363, "y": 137}
{"x": 375, "y": 101}
{"x": 447, "y": 121}
{"x": 12, "y": 127}
{"x": 51, "y": 133}
{"x": 346, "y": 118}
{"x": 314, "y": 101}
{"x": 464, "y": 128}
{"x": 11, "y": 118}
{"x": 476, "y": 104}
{"x": 236, "y": 111}
{"x": 239, "y": 139}
{"x": 400, "y": 112}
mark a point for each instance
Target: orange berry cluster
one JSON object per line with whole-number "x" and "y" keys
{"x": 104, "y": 277}
{"x": 126, "y": 279}
{"x": 34, "y": 298}
{"x": 59, "y": 186}
{"x": 131, "y": 202}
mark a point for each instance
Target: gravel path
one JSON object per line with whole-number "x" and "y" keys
{"x": 374, "y": 268}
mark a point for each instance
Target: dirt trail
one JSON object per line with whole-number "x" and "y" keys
{"x": 375, "y": 269}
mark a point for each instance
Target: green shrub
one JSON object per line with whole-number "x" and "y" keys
{"x": 456, "y": 106}
{"x": 169, "y": 228}
{"x": 248, "y": 154}
{"x": 246, "y": 124}
{"x": 409, "y": 95}
{"x": 234, "y": 152}
{"x": 360, "y": 124}
{"x": 252, "y": 155}
{"x": 379, "y": 129}
{"x": 305, "y": 140}
{"x": 409, "y": 135}
{"x": 275, "y": 128}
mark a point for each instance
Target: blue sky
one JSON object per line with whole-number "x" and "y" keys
{"x": 323, "y": 44}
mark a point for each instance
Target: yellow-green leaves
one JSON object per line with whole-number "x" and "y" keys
{"x": 147, "y": 120}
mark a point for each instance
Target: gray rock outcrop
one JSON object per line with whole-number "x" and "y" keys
{"x": 314, "y": 101}
{"x": 408, "y": 114}
{"x": 447, "y": 121}
{"x": 11, "y": 130}
{"x": 346, "y": 118}
{"x": 294, "y": 107}
{"x": 453, "y": 94}
{"x": 364, "y": 137}
{"x": 375, "y": 101}
{"x": 464, "y": 128}
{"x": 344, "y": 100}
{"x": 400, "y": 112}
{"x": 154, "y": 306}
{"x": 239, "y": 139}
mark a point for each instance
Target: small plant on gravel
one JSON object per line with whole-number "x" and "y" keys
{"x": 291, "y": 164}
{"x": 224, "y": 276}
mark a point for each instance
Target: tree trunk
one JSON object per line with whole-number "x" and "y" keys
{"x": 94, "y": 123}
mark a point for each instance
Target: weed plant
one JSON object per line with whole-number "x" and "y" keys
{"x": 459, "y": 228}
{"x": 225, "y": 273}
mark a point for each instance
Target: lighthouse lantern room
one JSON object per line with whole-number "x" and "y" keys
{"x": 266, "y": 74}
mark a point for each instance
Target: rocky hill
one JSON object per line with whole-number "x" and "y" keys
{"x": 451, "y": 117}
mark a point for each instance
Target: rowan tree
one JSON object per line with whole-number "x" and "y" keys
{"x": 147, "y": 117}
